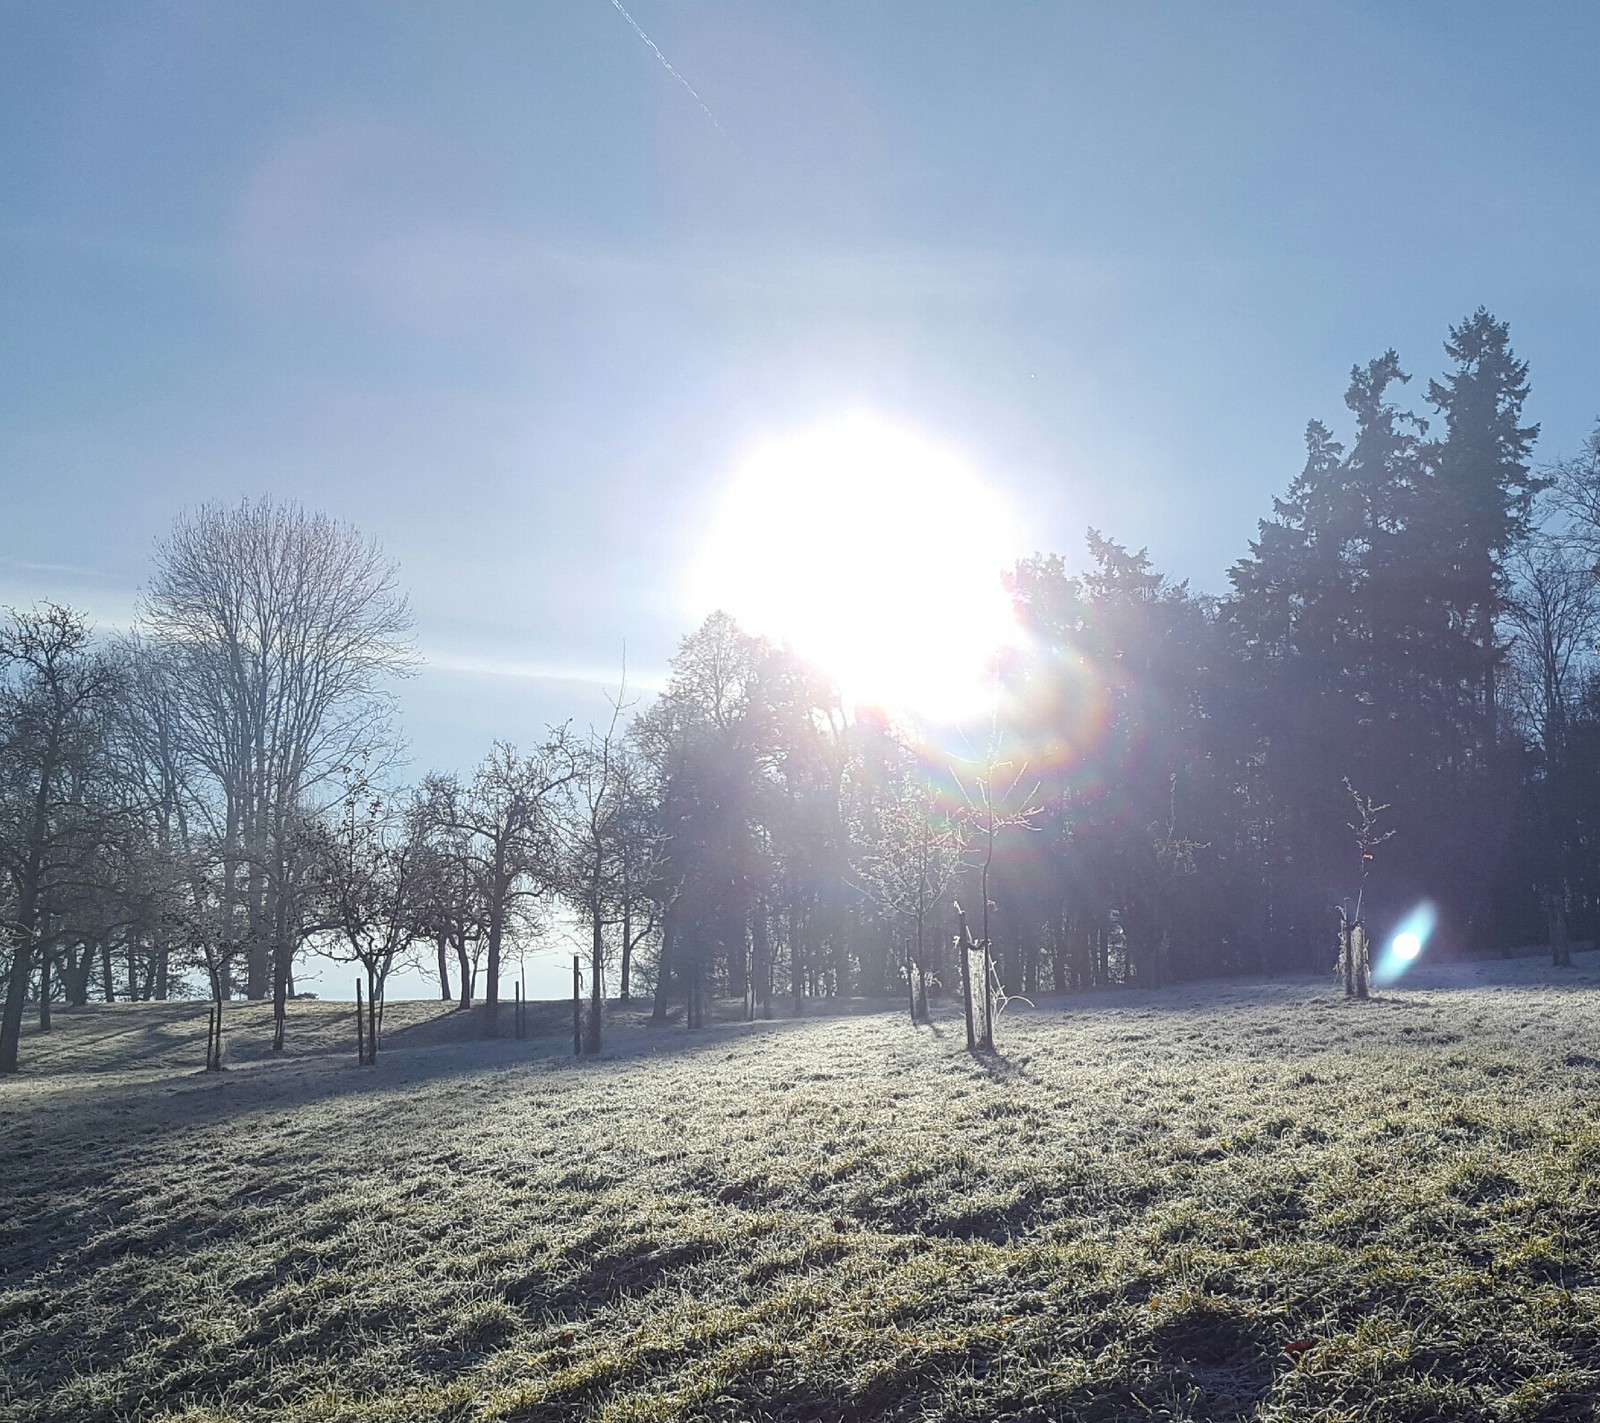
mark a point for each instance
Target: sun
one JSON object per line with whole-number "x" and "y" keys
{"x": 875, "y": 552}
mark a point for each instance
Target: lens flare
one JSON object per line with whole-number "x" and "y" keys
{"x": 1406, "y": 943}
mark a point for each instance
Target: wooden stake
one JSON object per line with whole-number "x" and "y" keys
{"x": 577, "y": 1008}
{"x": 361, "y": 1030}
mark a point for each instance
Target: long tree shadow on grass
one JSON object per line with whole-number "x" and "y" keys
{"x": 68, "y": 1135}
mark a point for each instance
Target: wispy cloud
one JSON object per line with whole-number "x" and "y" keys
{"x": 489, "y": 275}
{"x": 471, "y": 666}
{"x": 108, "y": 600}
{"x": 21, "y": 565}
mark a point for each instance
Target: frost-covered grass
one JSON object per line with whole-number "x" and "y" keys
{"x": 130, "y": 1041}
{"x": 1241, "y": 1200}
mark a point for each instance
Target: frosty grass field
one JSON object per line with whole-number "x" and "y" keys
{"x": 1234, "y": 1200}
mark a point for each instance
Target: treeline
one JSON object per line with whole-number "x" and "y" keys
{"x": 1174, "y": 784}
{"x": 1413, "y": 627}
{"x": 1166, "y": 785}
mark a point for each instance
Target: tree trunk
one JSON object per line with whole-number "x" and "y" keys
{"x": 491, "y": 988}
{"x": 440, "y": 942}
{"x": 666, "y": 964}
{"x": 597, "y": 949}
{"x": 738, "y": 956}
{"x": 747, "y": 953}
{"x": 761, "y": 953}
{"x": 374, "y": 1015}
{"x": 1491, "y": 711}
{"x": 627, "y": 942}
{"x": 21, "y": 966}
{"x": 75, "y": 967}
{"x": 282, "y": 956}
{"x": 258, "y": 962}
{"x": 1560, "y": 947}
{"x": 44, "y": 990}
{"x": 214, "y": 1037}
{"x": 798, "y": 924}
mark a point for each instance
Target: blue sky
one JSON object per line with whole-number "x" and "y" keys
{"x": 487, "y": 281}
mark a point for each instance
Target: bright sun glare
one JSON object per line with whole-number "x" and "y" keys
{"x": 876, "y": 553}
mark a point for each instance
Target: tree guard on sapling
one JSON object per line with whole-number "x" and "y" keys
{"x": 1355, "y": 955}
{"x": 989, "y": 813}
{"x": 980, "y": 1021}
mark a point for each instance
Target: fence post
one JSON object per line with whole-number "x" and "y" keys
{"x": 577, "y": 1008}
{"x": 361, "y": 1030}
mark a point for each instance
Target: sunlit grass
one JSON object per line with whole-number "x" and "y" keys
{"x": 1244, "y": 1201}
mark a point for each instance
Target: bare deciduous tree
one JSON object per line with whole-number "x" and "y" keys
{"x": 590, "y": 828}
{"x": 286, "y": 625}
{"x": 505, "y": 822}
{"x": 611, "y": 855}
{"x": 1554, "y": 614}
{"x": 453, "y": 897}
{"x": 365, "y": 868}
{"x": 908, "y": 868}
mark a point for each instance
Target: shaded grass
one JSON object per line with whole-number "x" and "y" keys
{"x": 154, "y": 1039}
{"x": 1241, "y": 1201}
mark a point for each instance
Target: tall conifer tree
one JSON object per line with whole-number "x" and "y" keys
{"x": 1484, "y": 483}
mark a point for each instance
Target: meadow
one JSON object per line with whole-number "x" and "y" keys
{"x": 1226, "y": 1200}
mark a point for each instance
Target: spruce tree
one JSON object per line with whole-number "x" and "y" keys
{"x": 1347, "y": 647}
{"x": 1484, "y": 485}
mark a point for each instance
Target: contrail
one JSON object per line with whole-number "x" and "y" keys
{"x": 665, "y": 62}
